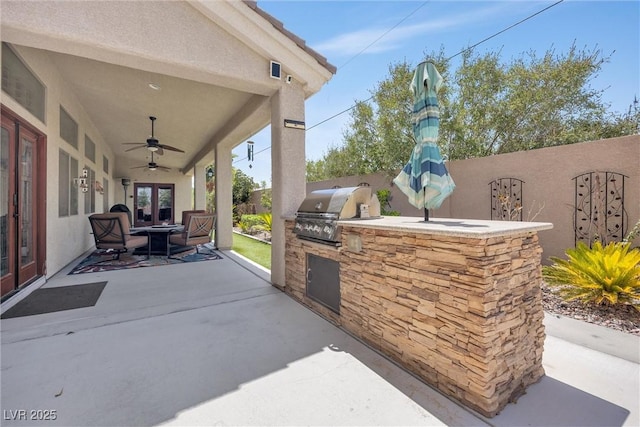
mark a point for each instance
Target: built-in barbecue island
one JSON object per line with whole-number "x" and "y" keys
{"x": 456, "y": 302}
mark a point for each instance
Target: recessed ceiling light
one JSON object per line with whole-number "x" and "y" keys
{"x": 154, "y": 86}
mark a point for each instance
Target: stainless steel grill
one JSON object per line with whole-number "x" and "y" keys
{"x": 318, "y": 214}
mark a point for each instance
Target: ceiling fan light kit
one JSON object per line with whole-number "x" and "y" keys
{"x": 152, "y": 144}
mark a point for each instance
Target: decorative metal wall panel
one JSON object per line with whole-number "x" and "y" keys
{"x": 599, "y": 212}
{"x": 506, "y": 199}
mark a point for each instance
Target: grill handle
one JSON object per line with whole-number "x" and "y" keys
{"x": 308, "y": 275}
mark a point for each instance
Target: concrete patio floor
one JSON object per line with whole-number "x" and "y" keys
{"x": 213, "y": 343}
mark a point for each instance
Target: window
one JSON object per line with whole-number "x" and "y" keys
{"x": 67, "y": 185}
{"x": 21, "y": 84}
{"x": 90, "y": 196}
{"x": 89, "y": 149}
{"x": 105, "y": 165}
{"x": 68, "y": 128}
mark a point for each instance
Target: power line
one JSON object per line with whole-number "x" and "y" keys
{"x": 506, "y": 29}
{"x": 384, "y": 34}
{"x": 451, "y": 57}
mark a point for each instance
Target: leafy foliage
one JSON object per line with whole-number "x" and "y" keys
{"x": 384, "y": 197}
{"x": 487, "y": 106}
{"x": 249, "y": 222}
{"x": 266, "y": 196}
{"x": 243, "y": 185}
{"x": 600, "y": 275}
{"x": 266, "y": 219}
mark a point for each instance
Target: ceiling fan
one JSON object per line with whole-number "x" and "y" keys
{"x": 152, "y": 165}
{"x": 152, "y": 143}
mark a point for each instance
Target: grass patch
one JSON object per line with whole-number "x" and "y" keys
{"x": 255, "y": 250}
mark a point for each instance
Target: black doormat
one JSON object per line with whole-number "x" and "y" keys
{"x": 49, "y": 300}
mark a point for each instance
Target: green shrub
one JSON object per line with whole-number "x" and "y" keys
{"x": 384, "y": 197}
{"x": 266, "y": 219}
{"x": 600, "y": 275}
{"x": 248, "y": 222}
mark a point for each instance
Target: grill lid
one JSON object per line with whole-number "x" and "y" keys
{"x": 342, "y": 203}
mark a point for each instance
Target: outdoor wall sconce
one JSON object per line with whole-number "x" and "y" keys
{"x": 99, "y": 188}
{"x": 82, "y": 182}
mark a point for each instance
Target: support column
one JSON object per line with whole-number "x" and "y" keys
{"x": 288, "y": 170}
{"x": 199, "y": 187}
{"x": 224, "y": 198}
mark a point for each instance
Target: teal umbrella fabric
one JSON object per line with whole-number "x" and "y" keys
{"x": 425, "y": 179}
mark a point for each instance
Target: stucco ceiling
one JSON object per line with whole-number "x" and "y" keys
{"x": 119, "y": 102}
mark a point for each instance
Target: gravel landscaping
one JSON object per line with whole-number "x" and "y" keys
{"x": 623, "y": 318}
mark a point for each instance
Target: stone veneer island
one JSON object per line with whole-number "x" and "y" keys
{"x": 456, "y": 302}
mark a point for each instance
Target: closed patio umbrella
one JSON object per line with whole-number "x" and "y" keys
{"x": 425, "y": 179}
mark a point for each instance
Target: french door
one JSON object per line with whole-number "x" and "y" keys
{"x": 22, "y": 219}
{"x": 153, "y": 204}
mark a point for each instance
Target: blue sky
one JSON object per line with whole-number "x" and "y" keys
{"x": 340, "y": 30}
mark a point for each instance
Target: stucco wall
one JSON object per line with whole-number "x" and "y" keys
{"x": 548, "y": 185}
{"x": 548, "y": 175}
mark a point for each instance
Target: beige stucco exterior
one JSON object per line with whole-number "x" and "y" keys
{"x": 211, "y": 60}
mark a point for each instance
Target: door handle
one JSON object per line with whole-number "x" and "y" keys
{"x": 308, "y": 275}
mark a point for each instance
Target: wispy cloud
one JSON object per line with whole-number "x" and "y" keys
{"x": 354, "y": 42}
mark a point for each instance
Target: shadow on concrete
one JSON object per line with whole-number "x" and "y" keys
{"x": 554, "y": 403}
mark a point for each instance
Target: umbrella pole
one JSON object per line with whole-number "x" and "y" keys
{"x": 426, "y": 211}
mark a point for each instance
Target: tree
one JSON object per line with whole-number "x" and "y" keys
{"x": 266, "y": 196}
{"x": 529, "y": 103}
{"x": 243, "y": 185}
{"x": 487, "y": 106}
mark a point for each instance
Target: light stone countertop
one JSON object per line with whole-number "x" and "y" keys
{"x": 473, "y": 228}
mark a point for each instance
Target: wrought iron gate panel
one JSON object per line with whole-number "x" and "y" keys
{"x": 506, "y": 199}
{"x": 599, "y": 207}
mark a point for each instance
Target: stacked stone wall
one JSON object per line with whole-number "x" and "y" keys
{"x": 464, "y": 314}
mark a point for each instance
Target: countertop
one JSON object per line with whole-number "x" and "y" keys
{"x": 473, "y": 228}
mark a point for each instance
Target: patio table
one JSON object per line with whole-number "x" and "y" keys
{"x": 159, "y": 238}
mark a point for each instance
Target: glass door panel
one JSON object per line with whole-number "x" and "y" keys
{"x": 165, "y": 205}
{"x": 26, "y": 202}
{"x": 7, "y": 246}
{"x": 143, "y": 205}
{"x": 27, "y": 218}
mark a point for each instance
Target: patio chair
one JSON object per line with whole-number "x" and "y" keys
{"x": 185, "y": 215}
{"x": 112, "y": 231}
{"x": 197, "y": 231}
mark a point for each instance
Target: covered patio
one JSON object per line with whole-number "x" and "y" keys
{"x": 213, "y": 343}
{"x": 83, "y": 81}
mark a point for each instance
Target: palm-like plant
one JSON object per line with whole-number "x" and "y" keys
{"x": 266, "y": 219}
{"x": 609, "y": 274}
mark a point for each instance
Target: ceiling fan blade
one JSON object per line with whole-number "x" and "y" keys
{"x": 140, "y": 167}
{"x": 135, "y": 148}
{"x": 163, "y": 169}
{"x": 159, "y": 151}
{"x": 168, "y": 147}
